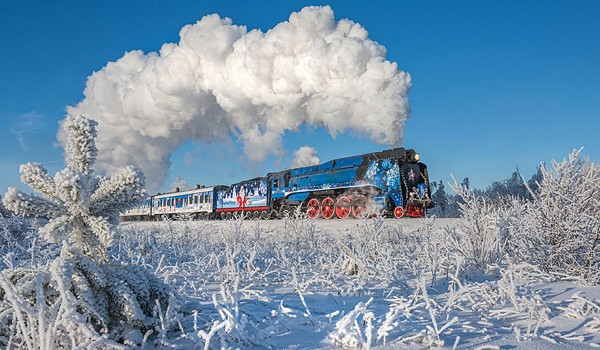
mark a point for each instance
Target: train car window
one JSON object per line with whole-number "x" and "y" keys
{"x": 276, "y": 183}
{"x": 210, "y": 197}
{"x": 195, "y": 199}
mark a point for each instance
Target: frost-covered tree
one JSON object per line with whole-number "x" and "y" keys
{"x": 82, "y": 208}
{"x": 465, "y": 183}
{"x": 180, "y": 184}
{"x": 536, "y": 180}
{"x": 82, "y": 293}
{"x": 3, "y": 211}
{"x": 499, "y": 192}
{"x": 440, "y": 198}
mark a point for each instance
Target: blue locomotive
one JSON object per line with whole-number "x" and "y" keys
{"x": 389, "y": 183}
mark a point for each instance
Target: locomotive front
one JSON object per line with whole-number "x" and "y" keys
{"x": 416, "y": 192}
{"x": 402, "y": 181}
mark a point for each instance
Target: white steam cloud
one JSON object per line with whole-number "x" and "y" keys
{"x": 222, "y": 80}
{"x": 305, "y": 156}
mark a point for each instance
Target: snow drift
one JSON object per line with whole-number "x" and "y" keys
{"x": 222, "y": 80}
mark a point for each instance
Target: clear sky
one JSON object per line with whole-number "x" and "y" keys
{"x": 495, "y": 84}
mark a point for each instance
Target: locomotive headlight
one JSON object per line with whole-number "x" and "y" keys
{"x": 417, "y": 157}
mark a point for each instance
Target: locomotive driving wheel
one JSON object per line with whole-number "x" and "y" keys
{"x": 359, "y": 208}
{"x": 313, "y": 209}
{"x": 327, "y": 208}
{"x": 342, "y": 208}
{"x": 398, "y": 212}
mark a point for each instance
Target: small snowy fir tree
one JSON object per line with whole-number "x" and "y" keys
{"x": 441, "y": 199}
{"x": 100, "y": 296}
{"x": 82, "y": 208}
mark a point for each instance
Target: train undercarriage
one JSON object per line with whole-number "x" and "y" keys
{"x": 332, "y": 204}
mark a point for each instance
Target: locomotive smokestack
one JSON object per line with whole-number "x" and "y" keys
{"x": 221, "y": 79}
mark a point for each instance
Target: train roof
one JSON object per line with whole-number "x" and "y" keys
{"x": 256, "y": 179}
{"x": 191, "y": 191}
{"x": 338, "y": 163}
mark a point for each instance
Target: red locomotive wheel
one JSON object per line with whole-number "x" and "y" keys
{"x": 327, "y": 208}
{"x": 398, "y": 212}
{"x": 313, "y": 209}
{"x": 342, "y": 209}
{"x": 360, "y": 207}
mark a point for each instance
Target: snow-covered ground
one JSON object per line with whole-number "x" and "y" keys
{"x": 511, "y": 274}
{"x": 320, "y": 224}
{"x": 390, "y": 284}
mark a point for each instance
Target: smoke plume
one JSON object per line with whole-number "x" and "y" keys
{"x": 222, "y": 80}
{"x": 305, "y": 156}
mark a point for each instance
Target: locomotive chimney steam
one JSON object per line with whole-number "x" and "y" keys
{"x": 222, "y": 80}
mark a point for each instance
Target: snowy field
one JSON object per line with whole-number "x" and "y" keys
{"x": 511, "y": 274}
{"x": 390, "y": 284}
{"x": 321, "y": 225}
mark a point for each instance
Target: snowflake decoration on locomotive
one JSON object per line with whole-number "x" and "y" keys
{"x": 392, "y": 177}
{"x": 384, "y": 174}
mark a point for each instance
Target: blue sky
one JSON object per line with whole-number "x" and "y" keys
{"x": 495, "y": 84}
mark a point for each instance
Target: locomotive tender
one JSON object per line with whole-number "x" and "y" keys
{"x": 390, "y": 183}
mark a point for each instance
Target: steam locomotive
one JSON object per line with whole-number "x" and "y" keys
{"x": 392, "y": 183}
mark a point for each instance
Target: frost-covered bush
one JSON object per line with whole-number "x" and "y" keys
{"x": 20, "y": 245}
{"x": 480, "y": 239}
{"x": 560, "y": 229}
{"x": 98, "y": 296}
